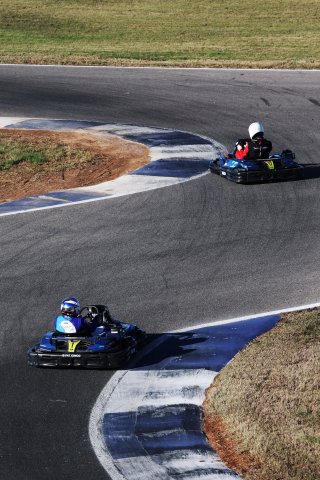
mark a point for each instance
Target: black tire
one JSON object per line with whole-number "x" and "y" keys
{"x": 214, "y": 168}
{"x": 141, "y": 337}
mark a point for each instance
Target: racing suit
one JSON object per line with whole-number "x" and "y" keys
{"x": 248, "y": 149}
{"x": 62, "y": 324}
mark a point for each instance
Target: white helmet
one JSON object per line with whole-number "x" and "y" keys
{"x": 255, "y": 128}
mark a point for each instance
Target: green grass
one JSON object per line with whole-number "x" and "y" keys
{"x": 269, "y": 399}
{"x": 266, "y": 33}
{"x": 48, "y": 156}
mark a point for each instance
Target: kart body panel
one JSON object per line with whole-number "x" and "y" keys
{"x": 278, "y": 167}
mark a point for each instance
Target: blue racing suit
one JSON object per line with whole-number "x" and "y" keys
{"x": 66, "y": 324}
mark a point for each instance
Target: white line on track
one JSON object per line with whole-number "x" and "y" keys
{"x": 113, "y": 67}
{"x": 251, "y": 317}
{"x": 157, "y": 185}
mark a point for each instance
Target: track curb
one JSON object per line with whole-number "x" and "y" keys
{"x": 176, "y": 157}
{"x": 155, "y": 394}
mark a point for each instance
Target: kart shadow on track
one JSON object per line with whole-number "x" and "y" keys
{"x": 207, "y": 347}
{"x": 170, "y": 350}
{"x": 311, "y": 171}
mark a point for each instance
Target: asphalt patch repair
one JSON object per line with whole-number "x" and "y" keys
{"x": 64, "y": 160}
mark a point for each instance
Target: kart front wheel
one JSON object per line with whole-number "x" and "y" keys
{"x": 214, "y": 167}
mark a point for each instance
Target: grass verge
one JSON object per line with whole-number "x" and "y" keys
{"x": 262, "y": 413}
{"x": 39, "y": 152}
{"x": 216, "y": 33}
{"x": 39, "y": 161}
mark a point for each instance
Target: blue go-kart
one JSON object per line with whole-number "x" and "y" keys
{"x": 279, "y": 166}
{"x": 107, "y": 344}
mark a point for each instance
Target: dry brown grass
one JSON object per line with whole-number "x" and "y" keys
{"x": 67, "y": 160}
{"x": 265, "y": 404}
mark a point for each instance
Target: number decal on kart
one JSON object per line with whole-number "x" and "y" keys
{"x": 269, "y": 164}
{"x": 72, "y": 345}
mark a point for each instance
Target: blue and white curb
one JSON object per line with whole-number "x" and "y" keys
{"x": 175, "y": 157}
{"x": 147, "y": 422}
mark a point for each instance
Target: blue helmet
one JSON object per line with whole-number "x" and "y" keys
{"x": 70, "y": 307}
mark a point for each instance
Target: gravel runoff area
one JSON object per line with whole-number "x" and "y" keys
{"x": 36, "y": 161}
{"x": 262, "y": 412}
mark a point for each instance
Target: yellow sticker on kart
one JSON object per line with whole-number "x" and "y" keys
{"x": 72, "y": 345}
{"x": 269, "y": 164}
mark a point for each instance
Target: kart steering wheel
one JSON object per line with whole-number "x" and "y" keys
{"x": 88, "y": 315}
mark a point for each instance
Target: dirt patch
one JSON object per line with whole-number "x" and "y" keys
{"x": 101, "y": 158}
{"x": 226, "y": 446}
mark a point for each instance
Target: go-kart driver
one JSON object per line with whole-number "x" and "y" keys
{"x": 255, "y": 147}
{"x": 70, "y": 319}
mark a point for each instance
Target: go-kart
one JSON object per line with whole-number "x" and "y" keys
{"x": 107, "y": 344}
{"x": 279, "y": 166}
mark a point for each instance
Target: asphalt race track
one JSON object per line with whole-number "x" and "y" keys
{"x": 192, "y": 253}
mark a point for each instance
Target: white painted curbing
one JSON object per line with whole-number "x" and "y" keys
{"x": 130, "y": 390}
{"x": 171, "y": 163}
